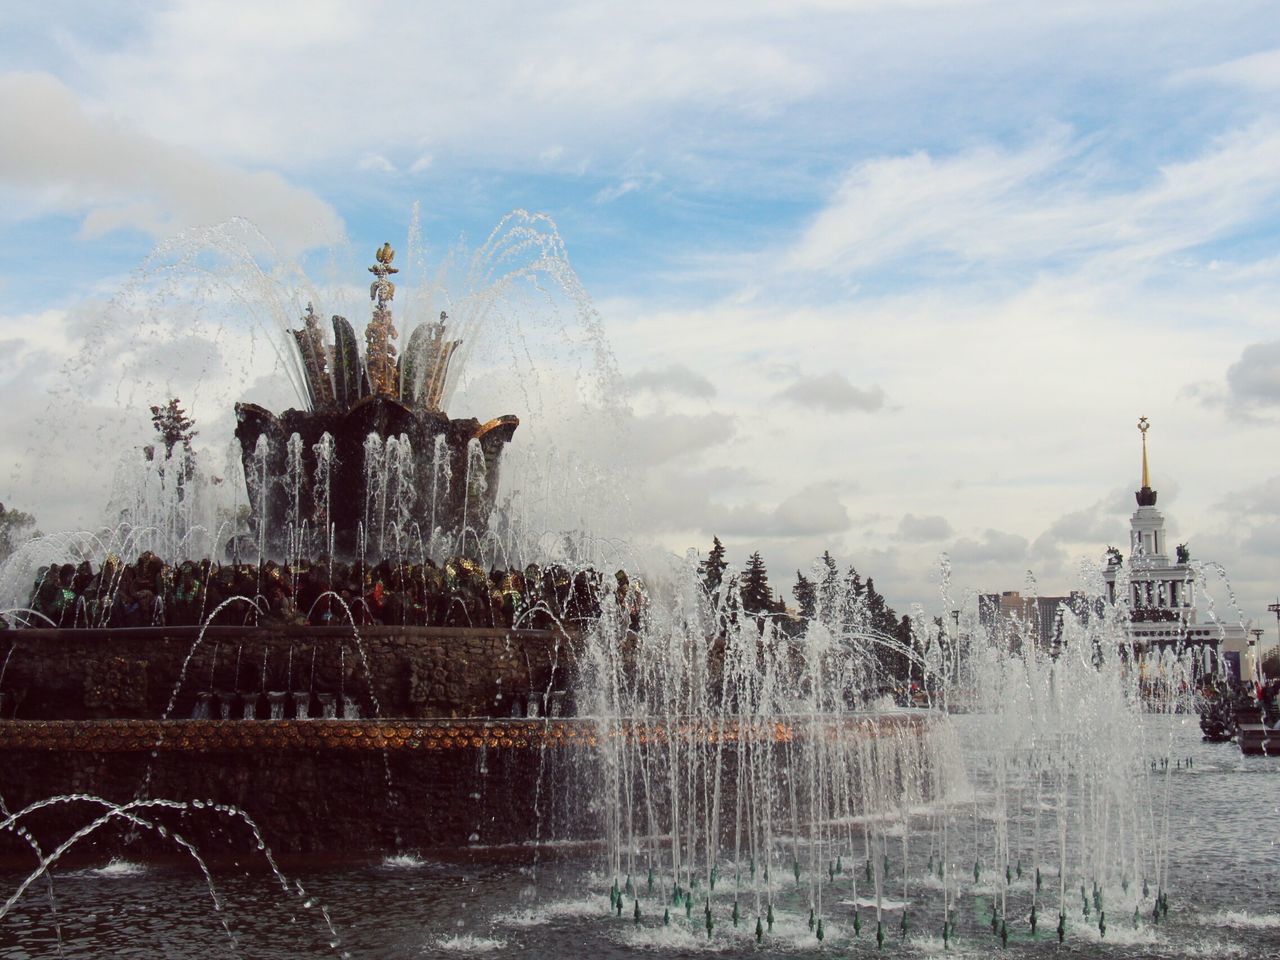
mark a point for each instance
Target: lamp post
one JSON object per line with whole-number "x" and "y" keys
{"x": 955, "y": 648}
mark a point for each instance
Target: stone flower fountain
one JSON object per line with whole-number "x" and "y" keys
{"x": 374, "y": 440}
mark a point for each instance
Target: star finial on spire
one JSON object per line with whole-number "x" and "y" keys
{"x": 1146, "y": 496}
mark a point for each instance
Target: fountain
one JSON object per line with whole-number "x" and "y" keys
{"x": 350, "y": 468}
{"x": 470, "y": 691}
{"x": 733, "y": 776}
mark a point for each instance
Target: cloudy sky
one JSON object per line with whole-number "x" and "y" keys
{"x": 890, "y": 278}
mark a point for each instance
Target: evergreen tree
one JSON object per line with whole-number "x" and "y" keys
{"x": 904, "y": 633}
{"x": 877, "y": 610}
{"x": 756, "y": 596}
{"x": 830, "y": 570}
{"x": 712, "y": 569}
{"x": 829, "y": 589}
{"x": 881, "y": 619}
{"x": 806, "y": 595}
{"x": 14, "y": 525}
{"x": 852, "y": 611}
{"x": 853, "y": 585}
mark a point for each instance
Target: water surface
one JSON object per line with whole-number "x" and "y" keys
{"x": 1224, "y": 880}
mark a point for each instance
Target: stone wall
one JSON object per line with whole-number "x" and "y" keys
{"x": 384, "y": 671}
{"x": 337, "y": 803}
{"x": 70, "y": 702}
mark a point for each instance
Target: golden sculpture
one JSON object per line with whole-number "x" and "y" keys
{"x": 380, "y": 352}
{"x": 437, "y": 352}
{"x": 317, "y": 359}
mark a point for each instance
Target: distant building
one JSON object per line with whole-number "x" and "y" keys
{"x": 1012, "y": 618}
{"x": 1161, "y": 594}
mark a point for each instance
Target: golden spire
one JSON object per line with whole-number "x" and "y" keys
{"x": 1143, "y": 426}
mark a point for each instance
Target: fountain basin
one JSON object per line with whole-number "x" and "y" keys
{"x": 362, "y": 787}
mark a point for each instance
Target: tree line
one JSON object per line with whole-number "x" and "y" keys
{"x": 843, "y": 601}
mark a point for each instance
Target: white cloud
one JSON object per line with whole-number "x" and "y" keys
{"x": 121, "y": 179}
{"x": 1260, "y": 500}
{"x": 892, "y": 206}
{"x": 1084, "y": 532}
{"x": 661, "y": 437}
{"x": 833, "y": 393}
{"x": 678, "y": 498}
{"x": 617, "y": 191}
{"x": 815, "y": 510}
{"x": 1263, "y": 539}
{"x": 994, "y": 546}
{"x": 1044, "y": 202}
{"x": 501, "y": 82}
{"x": 1257, "y": 71}
{"x": 675, "y": 378}
{"x": 923, "y": 529}
{"x": 375, "y": 163}
{"x": 1254, "y": 379}
{"x": 1103, "y": 522}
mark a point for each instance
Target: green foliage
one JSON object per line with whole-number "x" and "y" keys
{"x": 843, "y": 602}
{"x": 854, "y": 593}
{"x": 757, "y": 598}
{"x": 712, "y": 569}
{"x": 174, "y": 426}
{"x": 806, "y": 594}
{"x": 828, "y": 588}
{"x": 175, "y": 429}
{"x": 15, "y": 527}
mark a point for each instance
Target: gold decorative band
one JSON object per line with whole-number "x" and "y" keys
{"x": 207, "y": 736}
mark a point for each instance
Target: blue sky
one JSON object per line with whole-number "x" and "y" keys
{"x": 895, "y": 278}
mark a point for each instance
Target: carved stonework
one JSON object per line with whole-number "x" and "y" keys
{"x": 116, "y": 685}
{"x": 421, "y": 684}
{"x": 434, "y": 689}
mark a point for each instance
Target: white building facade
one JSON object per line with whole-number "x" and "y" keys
{"x": 1161, "y": 593}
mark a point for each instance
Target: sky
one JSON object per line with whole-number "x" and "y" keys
{"x": 893, "y": 279}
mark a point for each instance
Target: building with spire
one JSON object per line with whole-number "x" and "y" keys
{"x": 1161, "y": 593}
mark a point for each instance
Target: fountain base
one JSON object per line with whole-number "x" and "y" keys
{"x": 355, "y": 787}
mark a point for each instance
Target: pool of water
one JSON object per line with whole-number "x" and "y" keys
{"x": 551, "y": 901}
